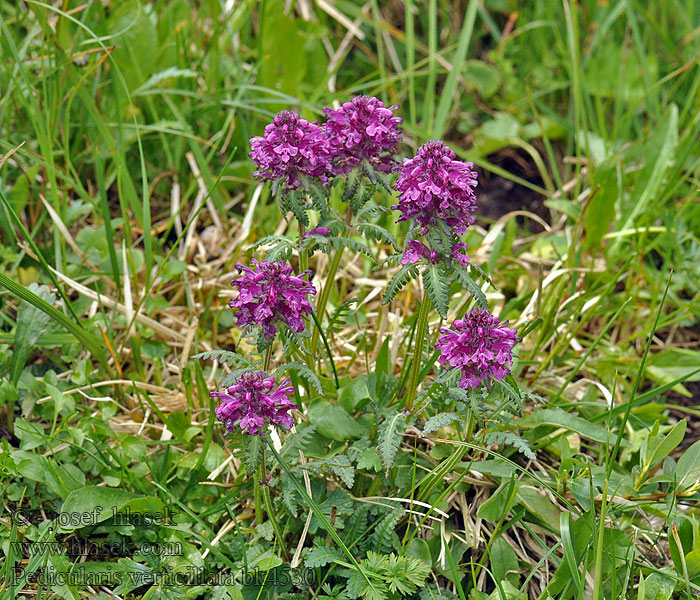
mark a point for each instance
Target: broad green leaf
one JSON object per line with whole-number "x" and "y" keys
{"x": 560, "y": 418}
{"x": 91, "y": 505}
{"x": 688, "y": 469}
{"x": 322, "y": 555}
{"x": 600, "y": 210}
{"x": 136, "y": 42}
{"x": 169, "y": 73}
{"x": 369, "y": 459}
{"x": 593, "y": 145}
{"x": 334, "y": 422}
{"x": 31, "y": 323}
{"x": 504, "y": 562}
{"x": 31, "y": 434}
{"x": 692, "y": 563}
{"x": 482, "y": 77}
{"x": 660, "y": 153}
{"x": 656, "y": 586}
{"x": 283, "y": 63}
{"x": 674, "y": 363}
{"x": 511, "y": 593}
{"x": 503, "y": 127}
{"x": 539, "y": 505}
{"x": 664, "y": 445}
{"x": 350, "y": 396}
{"x": 495, "y": 468}
{"x": 499, "y": 503}
{"x": 418, "y": 548}
{"x": 268, "y": 562}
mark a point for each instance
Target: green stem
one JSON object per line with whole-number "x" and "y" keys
{"x": 268, "y": 507}
{"x": 417, "y": 354}
{"x": 316, "y": 509}
{"x": 328, "y": 286}
{"x": 257, "y": 499}
{"x": 268, "y": 358}
{"x": 598, "y": 569}
{"x": 323, "y": 299}
{"x": 304, "y": 254}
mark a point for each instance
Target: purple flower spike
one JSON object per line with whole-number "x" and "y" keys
{"x": 433, "y": 186}
{"x": 269, "y": 294}
{"x": 480, "y": 345}
{"x": 318, "y": 231}
{"x": 250, "y": 401}
{"x": 291, "y": 149}
{"x": 459, "y": 253}
{"x": 362, "y": 129}
{"x": 417, "y": 250}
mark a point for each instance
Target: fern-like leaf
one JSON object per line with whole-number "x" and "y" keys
{"x": 438, "y": 422}
{"x": 295, "y": 201}
{"x": 232, "y": 359}
{"x": 511, "y": 439}
{"x": 319, "y": 199}
{"x": 372, "y": 231}
{"x": 437, "y": 285}
{"x": 462, "y": 276}
{"x": 304, "y": 371}
{"x": 322, "y": 556}
{"x": 382, "y": 539}
{"x": 345, "y": 242}
{"x": 371, "y": 210}
{"x": 299, "y": 441}
{"x": 289, "y": 495}
{"x": 404, "y": 574}
{"x": 405, "y": 274}
{"x": 339, "y": 465}
{"x": 340, "y": 314}
{"x": 390, "y": 438}
{"x": 281, "y": 247}
{"x": 253, "y": 453}
{"x": 511, "y": 394}
{"x": 393, "y": 260}
{"x": 483, "y": 274}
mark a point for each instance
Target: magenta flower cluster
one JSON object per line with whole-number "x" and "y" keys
{"x": 292, "y": 149}
{"x": 480, "y": 345}
{"x": 270, "y": 294}
{"x": 433, "y": 187}
{"x": 363, "y": 129}
{"x": 251, "y": 401}
{"x": 416, "y": 250}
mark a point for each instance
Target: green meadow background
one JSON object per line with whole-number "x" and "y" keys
{"x": 127, "y": 197}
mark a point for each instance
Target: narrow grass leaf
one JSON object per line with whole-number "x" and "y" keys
{"x": 90, "y": 342}
{"x": 458, "y": 58}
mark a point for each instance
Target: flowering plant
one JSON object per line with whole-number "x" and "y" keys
{"x": 338, "y": 179}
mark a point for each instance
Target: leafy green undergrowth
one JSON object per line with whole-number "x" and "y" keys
{"x": 127, "y": 198}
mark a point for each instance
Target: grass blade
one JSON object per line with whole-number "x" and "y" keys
{"x": 448, "y": 92}
{"x": 88, "y": 340}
